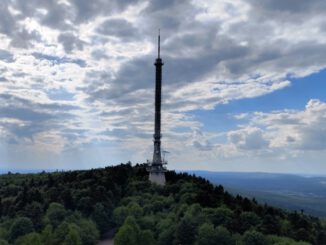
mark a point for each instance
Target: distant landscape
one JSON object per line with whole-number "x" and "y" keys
{"x": 289, "y": 191}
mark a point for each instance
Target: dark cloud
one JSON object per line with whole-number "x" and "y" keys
{"x": 99, "y": 54}
{"x": 7, "y": 23}
{"x": 59, "y": 60}
{"x": 248, "y": 139}
{"x": 129, "y": 132}
{"x": 33, "y": 117}
{"x": 24, "y": 38}
{"x": 55, "y": 16}
{"x": 292, "y": 6}
{"x": 87, "y": 10}
{"x": 206, "y": 146}
{"x": 118, "y": 28}
{"x": 17, "y": 101}
{"x": 171, "y": 16}
{"x": 314, "y": 138}
{"x": 135, "y": 75}
{"x": 25, "y": 114}
{"x": 70, "y": 42}
{"x": 9, "y": 26}
{"x": 6, "y": 56}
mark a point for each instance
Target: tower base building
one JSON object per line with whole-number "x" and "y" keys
{"x": 157, "y": 178}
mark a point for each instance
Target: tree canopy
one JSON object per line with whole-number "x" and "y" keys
{"x": 78, "y": 207}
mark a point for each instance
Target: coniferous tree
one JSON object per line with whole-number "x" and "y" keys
{"x": 20, "y": 227}
{"x": 185, "y": 232}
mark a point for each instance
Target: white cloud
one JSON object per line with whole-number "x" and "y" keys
{"x": 250, "y": 138}
{"x": 299, "y": 130}
{"x": 88, "y": 64}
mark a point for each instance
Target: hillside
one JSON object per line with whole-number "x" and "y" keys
{"x": 289, "y": 191}
{"x": 78, "y": 207}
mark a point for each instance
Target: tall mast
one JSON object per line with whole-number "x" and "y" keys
{"x": 159, "y": 44}
{"x": 156, "y": 169}
{"x": 158, "y": 97}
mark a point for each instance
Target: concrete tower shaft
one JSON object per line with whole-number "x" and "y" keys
{"x": 158, "y": 98}
{"x": 156, "y": 168}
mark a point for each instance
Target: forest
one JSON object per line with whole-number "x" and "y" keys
{"x": 79, "y": 207}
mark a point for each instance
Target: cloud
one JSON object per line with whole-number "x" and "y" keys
{"x": 6, "y": 56}
{"x": 289, "y": 6}
{"x": 80, "y": 73}
{"x": 292, "y": 130}
{"x": 248, "y": 138}
{"x": 70, "y": 42}
{"x": 118, "y": 28}
{"x": 59, "y": 60}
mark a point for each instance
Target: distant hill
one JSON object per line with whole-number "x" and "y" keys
{"x": 80, "y": 207}
{"x": 294, "y": 192}
{"x": 25, "y": 171}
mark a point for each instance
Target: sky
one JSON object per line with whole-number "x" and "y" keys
{"x": 243, "y": 84}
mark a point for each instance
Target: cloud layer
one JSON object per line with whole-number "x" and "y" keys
{"x": 78, "y": 75}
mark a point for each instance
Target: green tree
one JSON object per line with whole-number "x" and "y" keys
{"x": 20, "y": 227}
{"x": 220, "y": 216}
{"x": 271, "y": 225}
{"x": 147, "y": 222}
{"x": 186, "y": 232}
{"x": 206, "y": 234}
{"x": 73, "y": 237}
{"x": 248, "y": 220}
{"x": 34, "y": 211}
{"x": 60, "y": 233}
{"x": 166, "y": 236}
{"x": 67, "y": 199}
{"x": 0, "y": 206}
{"x": 253, "y": 237}
{"x": 101, "y": 218}
{"x": 126, "y": 235}
{"x": 135, "y": 210}
{"x": 88, "y": 232}
{"x": 223, "y": 236}
{"x": 302, "y": 235}
{"x": 3, "y": 242}
{"x": 146, "y": 237}
{"x": 3, "y": 233}
{"x": 47, "y": 235}
{"x": 119, "y": 215}
{"x": 31, "y": 238}
{"x": 85, "y": 205}
{"x": 55, "y": 214}
{"x": 276, "y": 240}
{"x": 129, "y": 233}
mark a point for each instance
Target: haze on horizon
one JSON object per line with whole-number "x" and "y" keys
{"x": 243, "y": 84}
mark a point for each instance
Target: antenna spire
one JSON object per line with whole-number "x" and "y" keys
{"x": 159, "y": 42}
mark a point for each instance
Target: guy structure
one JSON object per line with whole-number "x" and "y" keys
{"x": 156, "y": 168}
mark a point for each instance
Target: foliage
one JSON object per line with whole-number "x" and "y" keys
{"x": 3, "y": 242}
{"x": 253, "y": 237}
{"x": 73, "y": 237}
{"x": 20, "y": 227}
{"x": 55, "y": 214}
{"x": 76, "y": 207}
{"x": 31, "y": 238}
{"x": 185, "y": 232}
